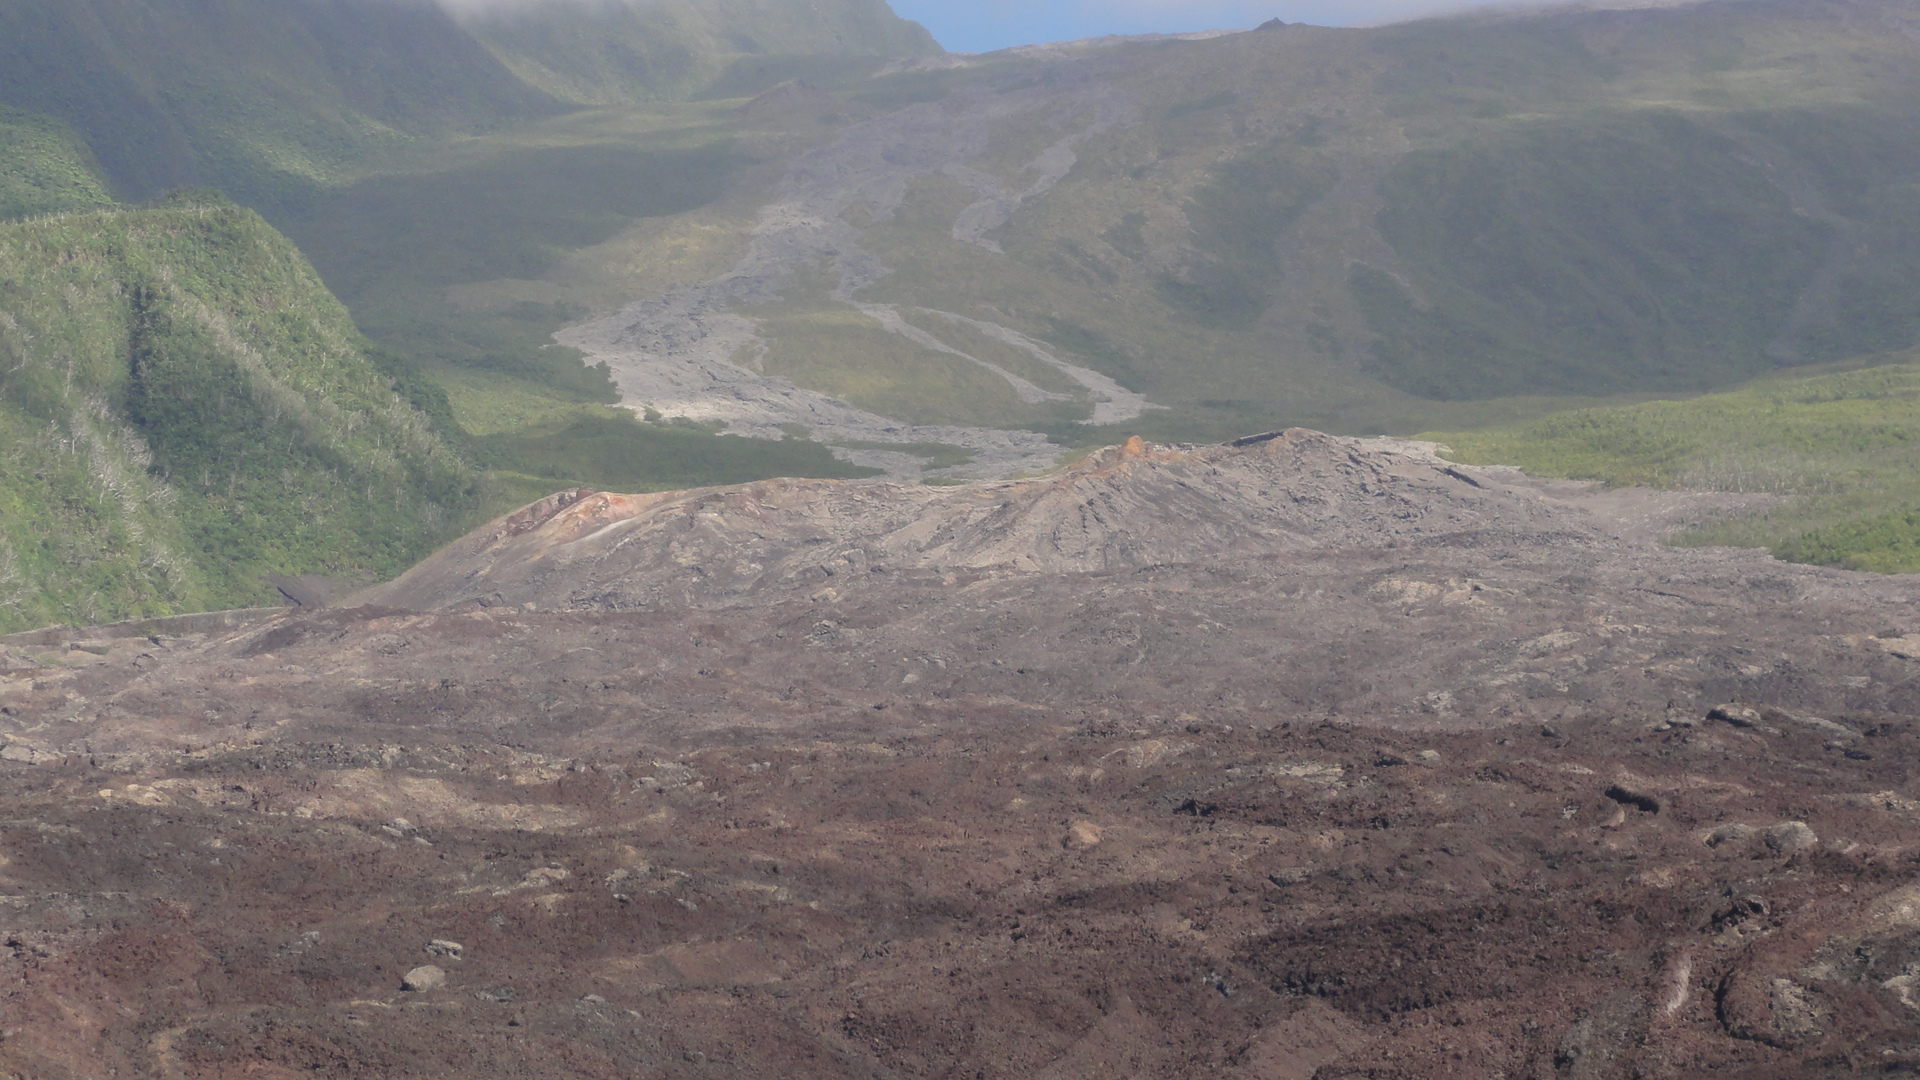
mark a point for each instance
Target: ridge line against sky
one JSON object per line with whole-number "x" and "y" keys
{"x": 972, "y": 26}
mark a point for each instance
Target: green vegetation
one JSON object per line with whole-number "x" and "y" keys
{"x": 1239, "y": 217}
{"x": 262, "y": 100}
{"x": 448, "y": 265}
{"x": 1570, "y": 206}
{"x": 1449, "y": 224}
{"x": 983, "y": 346}
{"x": 184, "y": 408}
{"x": 44, "y": 168}
{"x": 1637, "y": 251}
{"x": 932, "y": 455}
{"x": 1669, "y": 206}
{"x": 610, "y": 449}
{"x": 844, "y": 353}
{"x": 393, "y": 245}
{"x": 1842, "y": 448}
{"x": 188, "y": 409}
{"x": 267, "y": 100}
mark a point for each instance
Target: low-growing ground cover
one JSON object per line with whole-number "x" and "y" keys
{"x": 1842, "y": 446}
{"x": 184, "y": 408}
{"x": 44, "y": 168}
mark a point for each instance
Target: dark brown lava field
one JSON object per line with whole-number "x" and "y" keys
{"x": 1308, "y": 758}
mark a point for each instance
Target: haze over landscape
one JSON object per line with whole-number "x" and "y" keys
{"x": 741, "y": 538}
{"x": 999, "y": 24}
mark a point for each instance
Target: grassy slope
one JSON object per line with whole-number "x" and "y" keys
{"x": 1435, "y": 224}
{"x": 362, "y": 128}
{"x": 1440, "y": 224}
{"x": 261, "y": 100}
{"x": 1460, "y": 221}
{"x": 1106, "y": 267}
{"x": 266, "y": 100}
{"x": 44, "y": 168}
{"x": 1713, "y": 193}
{"x": 1159, "y": 259}
{"x": 186, "y": 408}
{"x": 623, "y": 52}
{"x": 612, "y": 450}
{"x": 1843, "y": 446}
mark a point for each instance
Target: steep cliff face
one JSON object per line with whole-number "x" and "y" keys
{"x": 184, "y": 408}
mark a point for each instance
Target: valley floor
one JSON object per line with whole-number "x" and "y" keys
{"x": 685, "y": 354}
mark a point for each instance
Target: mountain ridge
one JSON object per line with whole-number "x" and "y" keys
{"x": 626, "y": 52}
{"x": 968, "y": 270}
{"x": 267, "y": 101}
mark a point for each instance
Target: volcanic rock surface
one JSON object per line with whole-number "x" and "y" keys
{"x": 1311, "y": 757}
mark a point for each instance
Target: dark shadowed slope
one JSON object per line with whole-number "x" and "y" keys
{"x": 265, "y": 100}
{"x": 251, "y": 97}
